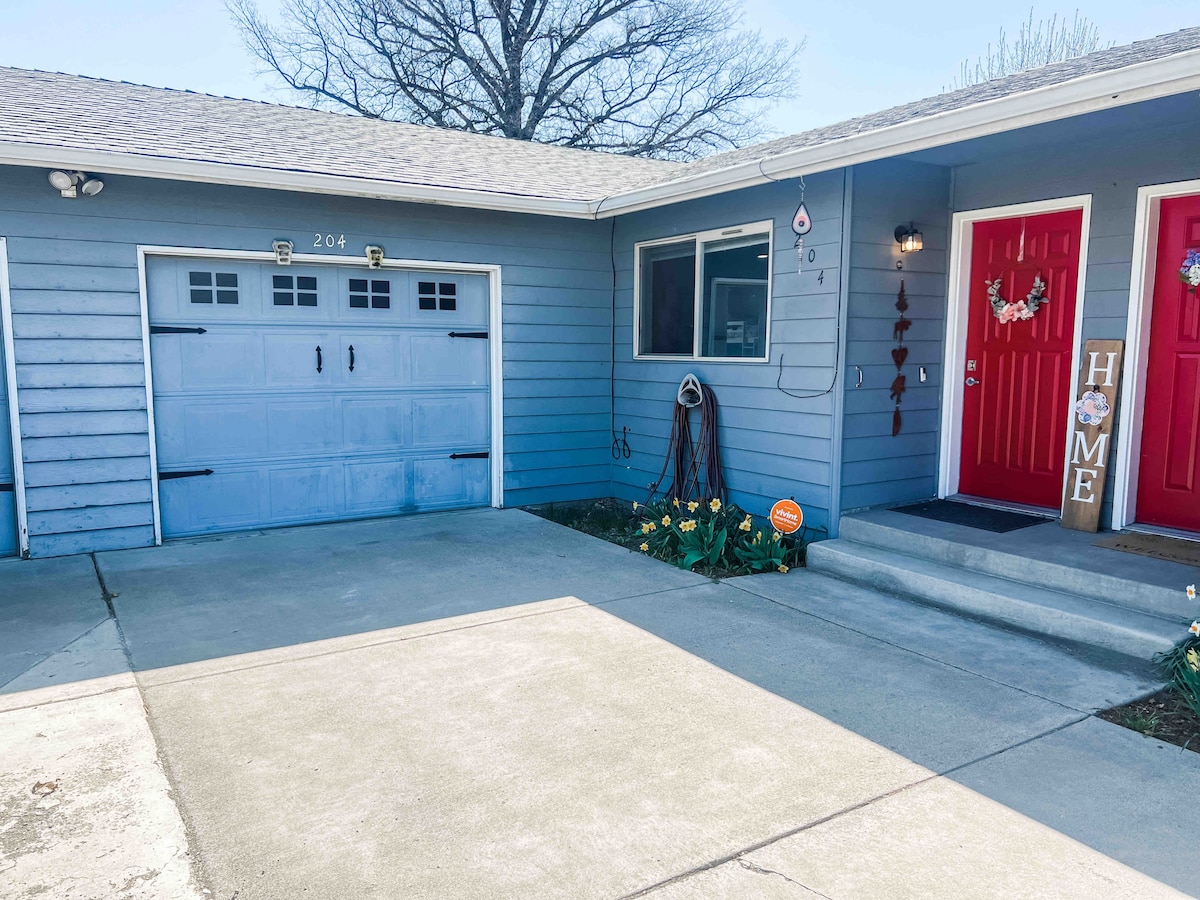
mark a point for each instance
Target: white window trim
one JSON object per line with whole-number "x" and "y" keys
{"x": 955, "y": 355}
{"x": 495, "y": 340}
{"x": 14, "y": 410}
{"x": 766, "y": 228}
{"x": 1137, "y": 345}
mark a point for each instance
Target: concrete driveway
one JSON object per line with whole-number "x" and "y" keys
{"x": 485, "y": 704}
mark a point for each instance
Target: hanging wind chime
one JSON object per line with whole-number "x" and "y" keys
{"x": 899, "y": 355}
{"x": 801, "y": 225}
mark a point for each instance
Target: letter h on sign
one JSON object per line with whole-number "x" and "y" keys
{"x": 1091, "y": 427}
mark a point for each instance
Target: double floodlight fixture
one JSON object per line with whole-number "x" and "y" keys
{"x": 72, "y": 184}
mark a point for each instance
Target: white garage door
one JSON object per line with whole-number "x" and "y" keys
{"x": 294, "y": 394}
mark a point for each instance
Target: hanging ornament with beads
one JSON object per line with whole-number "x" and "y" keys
{"x": 801, "y": 225}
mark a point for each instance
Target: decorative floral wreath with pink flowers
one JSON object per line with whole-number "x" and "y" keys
{"x": 1189, "y": 272}
{"x": 1021, "y": 310}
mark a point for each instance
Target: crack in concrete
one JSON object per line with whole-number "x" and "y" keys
{"x": 760, "y": 870}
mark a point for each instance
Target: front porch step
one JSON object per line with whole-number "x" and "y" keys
{"x": 1045, "y": 556}
{"x": 1065, "y": 617}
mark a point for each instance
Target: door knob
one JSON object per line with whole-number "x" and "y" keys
{"x": 971, "y": 382}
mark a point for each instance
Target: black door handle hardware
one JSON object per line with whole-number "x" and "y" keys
{"x": 470, "y": 334}
{"x": 482, "y": 455}
{"x": 318, "y": 359}
{"x": 168, "y": 476}
{"x": 174, "y": 329}
{"x": 351, "y": 357}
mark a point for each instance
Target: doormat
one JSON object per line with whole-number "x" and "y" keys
{"x": 1157, "y": 546}
{"x": 997, "y": 521}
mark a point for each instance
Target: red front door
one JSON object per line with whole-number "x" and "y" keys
{"x": 1168, "y": 487}
{"x": 1017, "y": 379}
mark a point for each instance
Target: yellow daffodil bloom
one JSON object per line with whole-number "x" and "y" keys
{"x": 693, "y": 506}
{"x": 776, "y": 537}
{"x": 636, "y": 505}
{"x": 715, "y": 505}
{"x": 1191, "y": 592}
{"x": 783, "y": 569}
{"x": 666, "y": 520}
{"x": 687, "y": 525}
{"x": 746, "y": 526}
{"x": 758, "y": 537}
{"x": 648, "y": 527}
{"x": 1195, "y": 628}
{"x": 645, "y": 548}
{"x": 675, "y": 503}
{"x": 1193, "y": 659}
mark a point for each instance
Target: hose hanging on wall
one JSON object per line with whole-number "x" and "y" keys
{"x": 697, "y": 466}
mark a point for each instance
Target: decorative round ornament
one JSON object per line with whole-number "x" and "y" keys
{"x": 1021, "y": 310}
{"x": 1092, "y": 408}
{"x": 1189, "y": 272}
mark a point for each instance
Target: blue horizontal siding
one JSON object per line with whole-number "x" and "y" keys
{"x": 78, "y": 330}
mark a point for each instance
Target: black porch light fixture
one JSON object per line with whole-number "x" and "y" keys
{"x": 909, "y": 239}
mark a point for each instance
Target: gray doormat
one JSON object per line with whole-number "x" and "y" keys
{"x": 998, "y": 521}
{"x": 1157, "y": 546}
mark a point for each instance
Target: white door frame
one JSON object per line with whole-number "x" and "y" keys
{"x": 1137, "y": 345}
{"x": 14, "y": 412}
{"x": 961, "y": 234}
{"x": 495, "y": 340}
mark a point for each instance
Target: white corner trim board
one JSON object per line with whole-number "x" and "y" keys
{"x": 10, "y": 376}
{"x": 1137, "y": 345}
{"x": 961, "y": 232}
{"x": 495, "y": 339}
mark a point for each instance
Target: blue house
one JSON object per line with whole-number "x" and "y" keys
{"x": 222, "y": 315}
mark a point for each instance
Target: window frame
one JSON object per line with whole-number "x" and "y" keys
{"x": 699, "y": 239}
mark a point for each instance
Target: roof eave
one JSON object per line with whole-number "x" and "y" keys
{"x": 1151, "y": 80}
{"x": 141, "y": 166}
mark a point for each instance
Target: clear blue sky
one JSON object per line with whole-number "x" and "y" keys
{"x": 861, "y": 56}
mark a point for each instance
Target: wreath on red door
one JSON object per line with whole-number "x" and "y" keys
{"x": 1189, "y": 272}
{"x": 1021, "y": 310}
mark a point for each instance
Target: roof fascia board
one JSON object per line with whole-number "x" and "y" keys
{"x": 106, "y": 162}
{"x": 1175, "y": 74}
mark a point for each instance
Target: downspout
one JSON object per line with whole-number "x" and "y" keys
{"x": 837, "y": 426}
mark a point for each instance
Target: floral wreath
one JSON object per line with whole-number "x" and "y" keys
{"x": 1023, "y": 309}
{"x": 1189, "y": 272}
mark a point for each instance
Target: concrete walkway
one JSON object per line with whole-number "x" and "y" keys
{"x": 485, "y": 704}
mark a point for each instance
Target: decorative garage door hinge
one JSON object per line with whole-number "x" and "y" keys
{"x": 174, "y": 329}
{"x": 481, "y": 455}
{"x": 195, "y": 473}
{"x": 470, "y": 334}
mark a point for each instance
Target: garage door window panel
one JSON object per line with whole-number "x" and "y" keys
{"x": 294, "y": 290}
{"x": 370, "y": 293}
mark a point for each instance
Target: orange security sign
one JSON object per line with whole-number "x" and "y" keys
{"x": 787, "y": 516}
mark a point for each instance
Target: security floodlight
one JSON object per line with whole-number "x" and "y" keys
{"x": 91, "y": 187}
{"x": 283, "y": 252}
{"x": 62, "y": 181}
{"x": 374, "y": 256}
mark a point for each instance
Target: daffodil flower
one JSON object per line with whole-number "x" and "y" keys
{"x": 1194, "y": 628}
{"x": 645, "y": 548}
{"x": 783, "y": 569}
{"x": 1193, "y": 659}
{"x": 1191, "y": 592}
{"x": 693, "y": 506}
{"x": 666, "y": 520}
{"x": 675, "y": 503}
{"x": 775, "y": 537}
{"x": 648, "y": 527}
{"x": 715, "y": 505}
{"x": 687, "y": 525}
{"x": 758, "y": 537}
{"x": 746, "y": 526}
{"x": 636, "y": 505}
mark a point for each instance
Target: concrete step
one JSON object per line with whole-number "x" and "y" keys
{"x": 1088, "y": 621}
{"x": 1071, "y": 568}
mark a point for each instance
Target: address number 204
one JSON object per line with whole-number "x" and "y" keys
{"x": 329, "y": 240}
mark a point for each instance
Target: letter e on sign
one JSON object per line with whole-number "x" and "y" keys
{"x": 787, "y": 516}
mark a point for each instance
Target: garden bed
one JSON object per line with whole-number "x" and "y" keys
{"x": 1164, "y": 716}
{"x": 626, "y": 524}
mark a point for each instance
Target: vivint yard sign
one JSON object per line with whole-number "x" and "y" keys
{"x": 1091, "y": 431}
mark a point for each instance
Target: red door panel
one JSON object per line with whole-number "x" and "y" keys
{"x": 1015, "y": 412}
{"x": 1168, "y": 488}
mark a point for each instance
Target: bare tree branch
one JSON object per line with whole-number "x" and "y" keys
{"x": 1037, "y": 44}
{"x": 674, "y": 79}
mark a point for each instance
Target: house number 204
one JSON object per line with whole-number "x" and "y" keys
{"x": 329, "y": 240}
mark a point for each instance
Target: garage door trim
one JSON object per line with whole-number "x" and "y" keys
{"x": 495, "y": 342}
{"x": 14, "y": 419}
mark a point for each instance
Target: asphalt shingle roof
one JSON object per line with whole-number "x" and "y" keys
{"x": 80, "y": 113}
